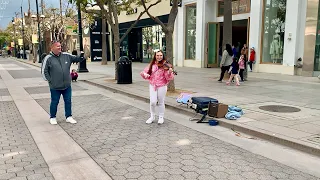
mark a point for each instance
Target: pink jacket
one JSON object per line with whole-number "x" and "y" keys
{"x": 241, "y": 64}
{"x": 159, "y": 77}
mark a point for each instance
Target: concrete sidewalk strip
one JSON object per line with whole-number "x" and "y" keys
{"x": 19, "y": 155}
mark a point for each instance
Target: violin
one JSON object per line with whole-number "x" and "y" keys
{"x": 166, "y": 66}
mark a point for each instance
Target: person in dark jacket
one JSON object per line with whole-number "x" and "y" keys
{"x": 234, "y": 70}
{"x": 56, "y": 70}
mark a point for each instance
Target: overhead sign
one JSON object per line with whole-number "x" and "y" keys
{"x": 72, "y": 30}
{"x": 179, "y": 3}
{"x": 96, "y": 41}
{"x": 34, "y": 39}
{"x": 20, "y": 42}
{"x": 132, "y": 11}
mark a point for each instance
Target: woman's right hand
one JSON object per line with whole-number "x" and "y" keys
{"x": 146, "y": 75}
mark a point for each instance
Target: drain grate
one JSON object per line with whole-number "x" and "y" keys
{"x": 279, "y": 108}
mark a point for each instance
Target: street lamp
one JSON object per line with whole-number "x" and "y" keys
{"x": 14, "y": 39}
{"x": 35, "y": 18}
{"x": 39, "y": 36}
{"x": 23, "y": 46}
{"x": 82, "y": 65}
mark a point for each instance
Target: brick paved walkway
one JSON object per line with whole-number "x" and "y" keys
{"x": 116, "y": 137}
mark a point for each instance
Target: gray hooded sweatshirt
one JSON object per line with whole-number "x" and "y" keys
{"x": 226, "y": 59}
{"x": 56, "y": 69}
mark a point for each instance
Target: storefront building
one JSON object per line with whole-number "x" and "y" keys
{"x": 147, "y": 36}
{"x": 281, "y": 32}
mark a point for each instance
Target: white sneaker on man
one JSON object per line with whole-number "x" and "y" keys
{"x": 53, "y": 121}
{"x": 71, "y": 120}
{"x": 151, "y": 119}
{"x": 161, "y": 120}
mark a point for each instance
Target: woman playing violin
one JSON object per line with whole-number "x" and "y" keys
{"x": 159, "y": 74}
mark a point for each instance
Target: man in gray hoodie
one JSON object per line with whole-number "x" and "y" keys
{"x": 56, "y": 70}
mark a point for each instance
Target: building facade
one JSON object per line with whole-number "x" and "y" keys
{"x": 147, "y": 36}
{"x": 281, "y": 32}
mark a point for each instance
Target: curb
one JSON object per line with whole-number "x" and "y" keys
{"x": 26, "y": 62}
{"x": 285, "y": 141}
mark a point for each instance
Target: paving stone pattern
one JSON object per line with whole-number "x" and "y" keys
{"x": 116, "y": 137}
{"x": 16, "y": 63}
{"x": 20, "y": 157}
{"x": 4, "y": 92}
{"x": 19, "y": 74}
{"x": 45, "y": 89}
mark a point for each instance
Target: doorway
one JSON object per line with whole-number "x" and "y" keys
{"x": 135, "y": 45}
{"x": 212, "y": 46}
{"x": 240, "y": 32}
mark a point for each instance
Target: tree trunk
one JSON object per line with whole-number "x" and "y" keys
{"x": 34, "y": 52}
{"x": 227, "y": 24}
{"x": 169, "y": 55}
{"x": 104, "y": 42}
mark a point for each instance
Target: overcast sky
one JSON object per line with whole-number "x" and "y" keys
{"x": 8, "y": 11}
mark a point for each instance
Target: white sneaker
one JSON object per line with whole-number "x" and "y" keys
{"x": 151, "y": 119}
{"x": 71, "y": 120}
{"x": 53, "y": 121}
{"x": 161, "y": 120}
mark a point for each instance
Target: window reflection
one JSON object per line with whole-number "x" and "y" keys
{"x": 191, "y": 23}
{"x": 153, "y": 39}
{"x": 274, "y": 30}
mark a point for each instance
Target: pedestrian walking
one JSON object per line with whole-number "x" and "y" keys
{"x": 234, "y": 70}
{"x": 244, "y": 51}
{"x": 74, "y": 75}
{"x": 158, "y": 78}
{"x": 225, "y": 61}
{"x": 56, "y": 70}
{"x": 252, "y": 57}
{"x": 241, "y": 67}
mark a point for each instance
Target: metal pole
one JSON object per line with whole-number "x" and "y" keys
{"x": 39, "y": 35}
{"x": 82, "y": 67}
{"x": 41, "y": 6}
{"x": 24, "y": 50}
{"x": 14, "y": 39}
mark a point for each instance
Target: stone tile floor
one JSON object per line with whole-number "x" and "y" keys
{"x": 116, "y": 137}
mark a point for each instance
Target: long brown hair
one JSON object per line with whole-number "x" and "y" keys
{"x": 153, "y": 61}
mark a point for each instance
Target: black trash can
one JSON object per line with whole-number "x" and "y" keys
{"x": 124, "y": 70}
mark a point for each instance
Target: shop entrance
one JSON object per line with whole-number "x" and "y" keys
{"x": 135, "y": 44}
{"x": 240, "y": 32}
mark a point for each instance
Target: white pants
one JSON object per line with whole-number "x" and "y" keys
{"x": 157, "y": 96}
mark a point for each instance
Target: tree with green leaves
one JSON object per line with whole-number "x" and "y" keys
{"x": 168, "y": 30}
{"x": 5, "y": 38}
{"x": 110, "y": 10}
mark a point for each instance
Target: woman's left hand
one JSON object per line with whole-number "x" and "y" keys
{"x": 170, "y": 70}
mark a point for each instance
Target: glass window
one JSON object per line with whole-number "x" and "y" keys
{"x": 153, "y": 40}
{"x": 190, "y": 45}
{"x": 274, "y": 30}
{"x": 317, "y": 48}
{"x": 238, "y": 7}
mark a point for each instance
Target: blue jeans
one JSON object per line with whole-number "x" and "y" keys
{"x": 55, "y": 97}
